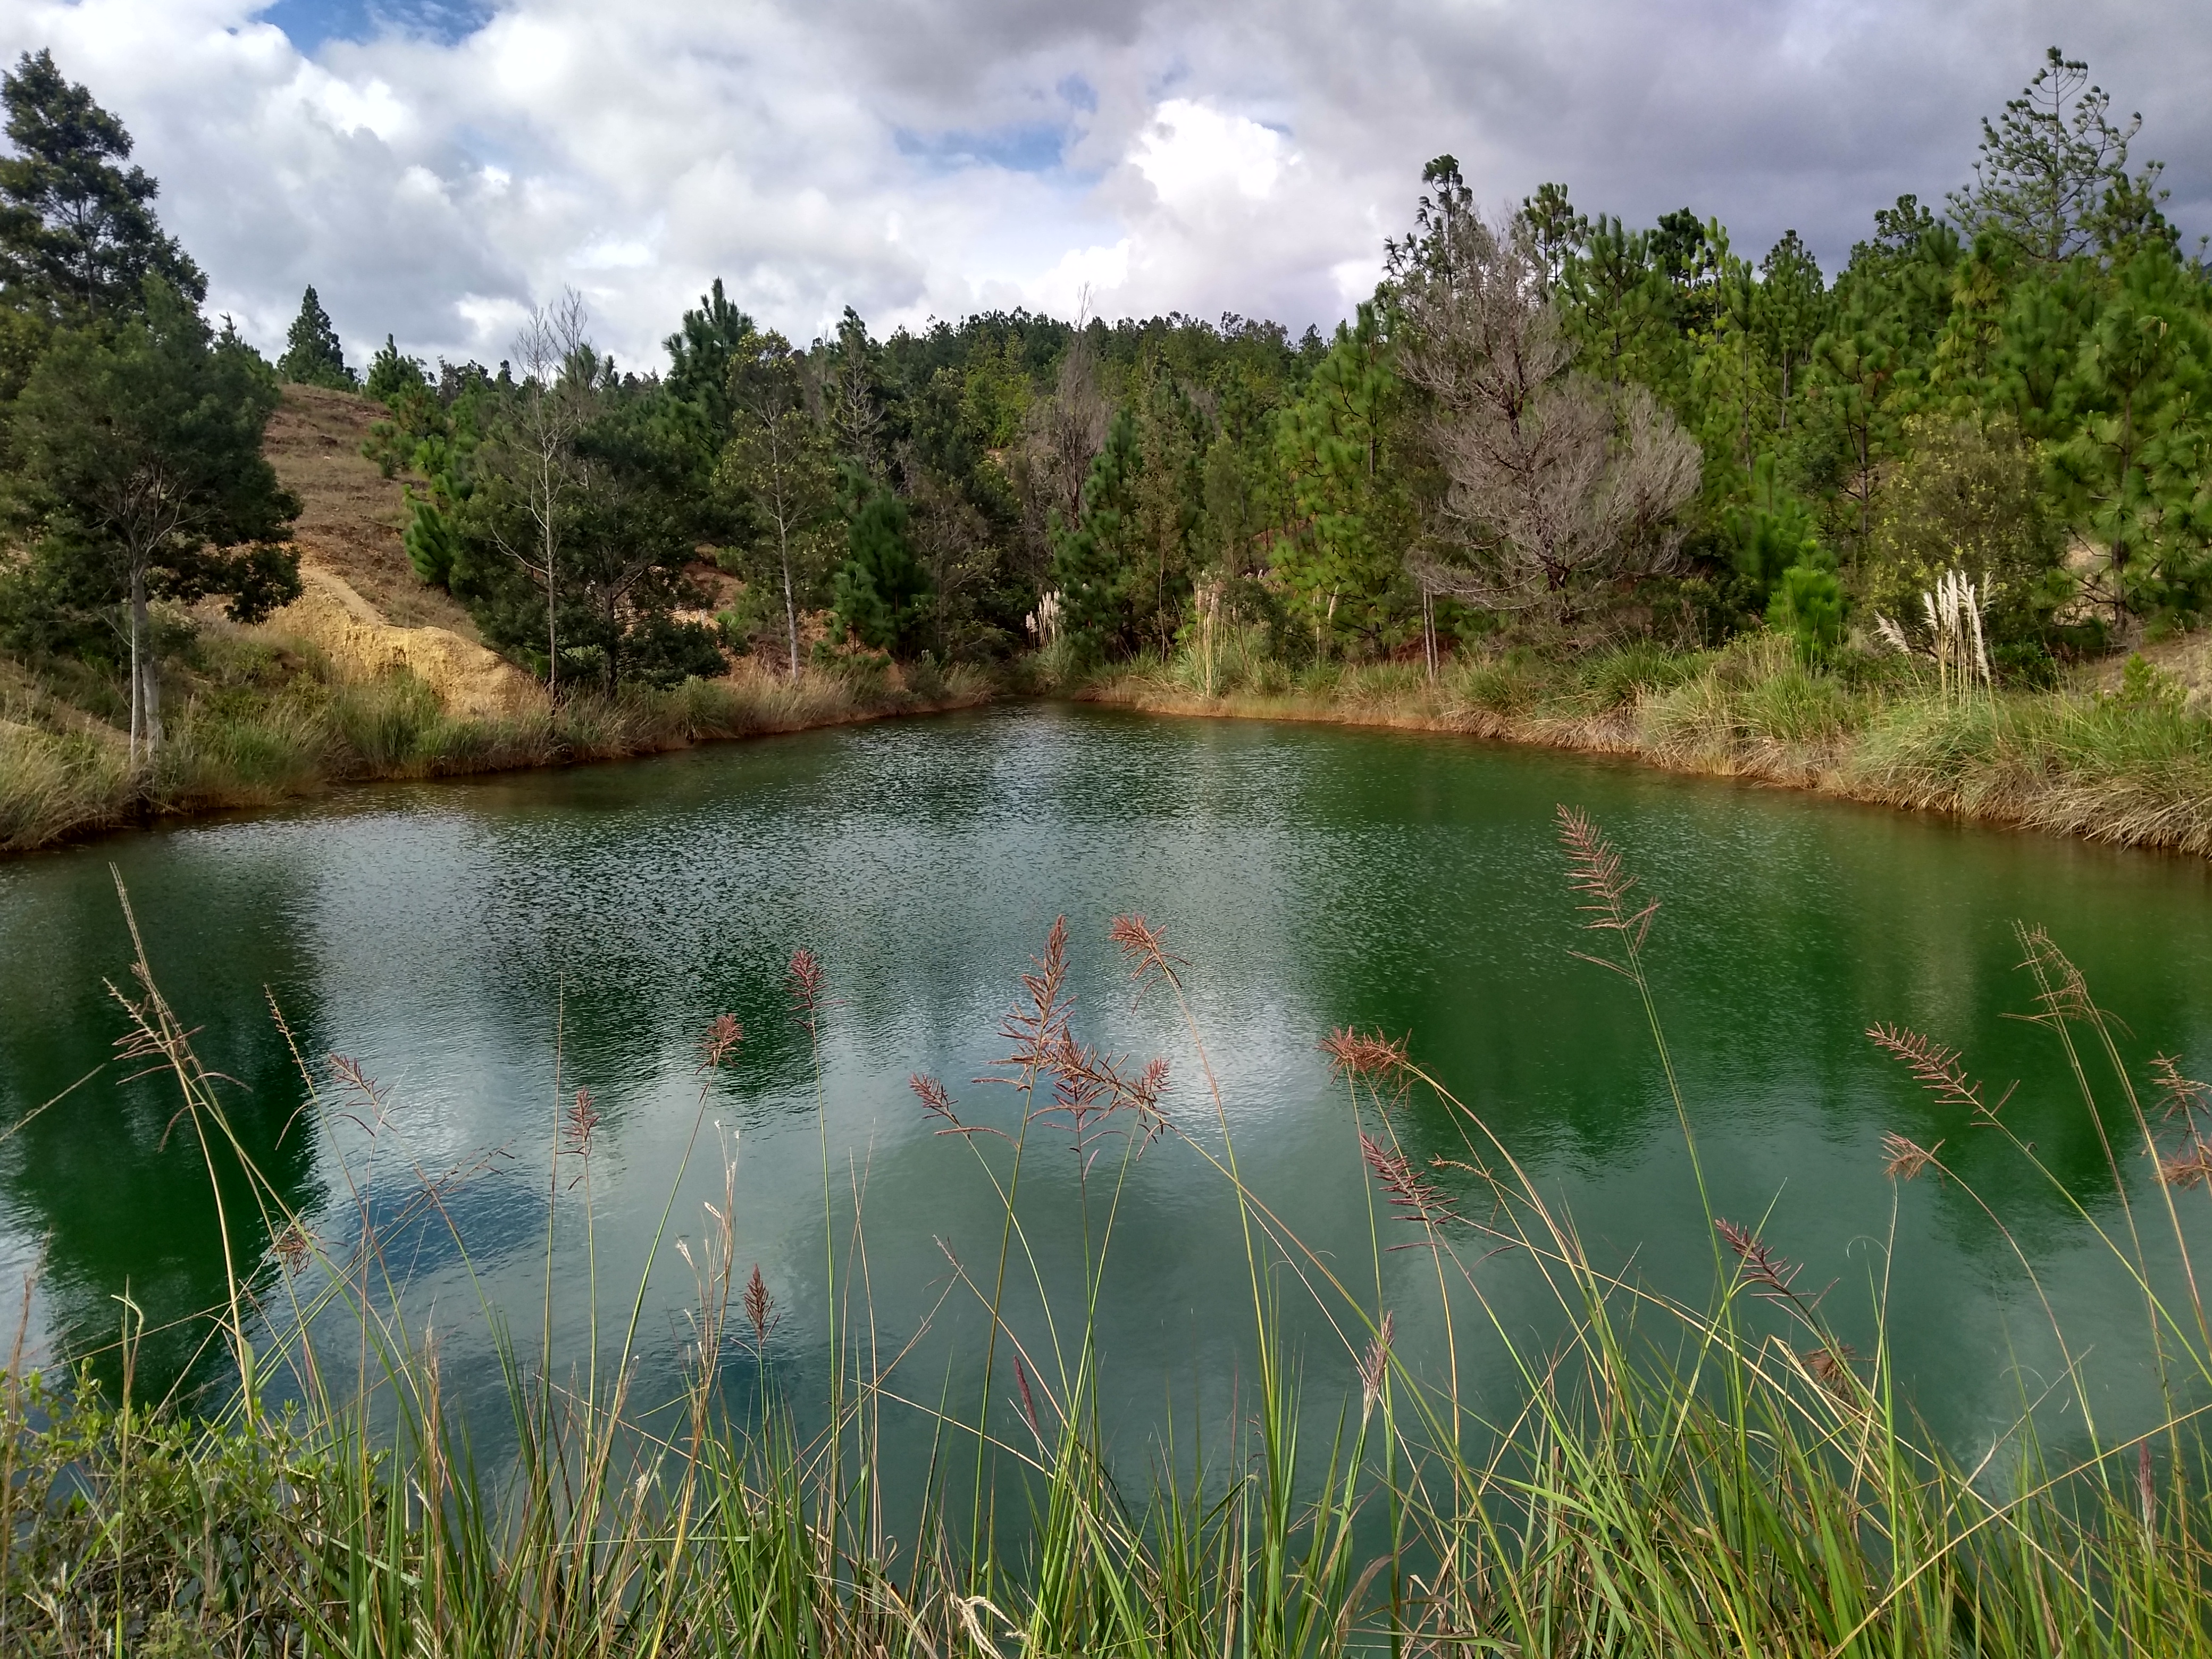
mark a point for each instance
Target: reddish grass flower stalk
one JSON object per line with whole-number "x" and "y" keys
{"x": 293, "y": 1246}
{"x": 723, "y": 1035}
{"x": 1144, "y": 950}
{"x": 1772, "y": 1274}
{"x": 2067, "y": 994}
{"x": 1088, "y": 1089}
{"x": 1028, "y": 1406}
{"x": 1375, "y": 1363}
{"x": 1416, "y": 1197}
{"x": 1831, "y": 1364}
{"x": 937, "y": 1102}
{"x": 1595, "y": 870}
{"x": 1937, "y": 1066}
{"x": 2191, "y": 1166}
{"x": 807, "y": 982}
{"x": 1371, "y": 1056}
{"x": 1902, "y": 1160}
{"x": 2182, "y": 1097}
{"x": 577, "y": 1124}
{"x": 759, "y": 1306}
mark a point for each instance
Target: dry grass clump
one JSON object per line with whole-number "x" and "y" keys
{"x": 53, "y": 786}
{"x": 1667, "y": 1477}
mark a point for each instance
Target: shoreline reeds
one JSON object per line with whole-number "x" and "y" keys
{"x": 2086, "y": 763}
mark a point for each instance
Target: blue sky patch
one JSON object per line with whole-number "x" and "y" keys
{"x": 1026, "y": 148}
{"x": 311, "y": 24}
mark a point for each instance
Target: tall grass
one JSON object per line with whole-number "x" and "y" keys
{"x": 255, "y": 745}
{"x": 2135, "y": 771}
{"x": 1669, "y": 1476}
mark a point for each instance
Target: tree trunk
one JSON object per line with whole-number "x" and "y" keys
{"x": 145, "y": 681}
{"x": 552, "y": 614}
{"x": 790, "y": 601}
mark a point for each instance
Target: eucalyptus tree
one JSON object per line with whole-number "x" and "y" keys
{"x": 533, "y": 452}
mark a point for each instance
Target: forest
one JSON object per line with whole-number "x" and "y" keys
{"x": 1548, "y": 432}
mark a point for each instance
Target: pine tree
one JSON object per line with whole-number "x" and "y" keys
{"x": 78, "y": 237}
{"x": 2048, "y": 164}
{"x": 882, "y": 593}
{"x": 390, "y": 374}
{"x": 1094, "y": 559}
{"x": 312, "y": 355}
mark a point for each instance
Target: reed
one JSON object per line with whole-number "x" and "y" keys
{"x": 1719, "y": 1476}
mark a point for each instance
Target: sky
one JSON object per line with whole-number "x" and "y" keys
{"x": 437, "y": 168}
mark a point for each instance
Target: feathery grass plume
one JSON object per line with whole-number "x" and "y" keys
{"x": 1146, "y": 950}
{"x": 1936, "y": 1068}
{"x": 1903, "y": 1160}
{"x": 1417, "y": 1199}
{"x": 1595, "y": 870}
{"x": 1375, "y": 1363}
{"x": 722, "y": 1037}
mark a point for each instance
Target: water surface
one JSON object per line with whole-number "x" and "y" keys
{"x": 454, "y": 938}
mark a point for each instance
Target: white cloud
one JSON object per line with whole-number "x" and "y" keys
{"x": 1191, "y": 154}
{"x": 920, "y": 157}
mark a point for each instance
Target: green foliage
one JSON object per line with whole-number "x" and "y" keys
{"x": 881, "y": 592}
{"x": 313, "y": 354}
{"x": 2050, "y": 164}
{"x": 78, "y": 237}
{"x": 392, "y": 375}
{"x": 1809, "y": 606}
{"x": 1969, "y": 496}
{"x": 141, "y": 465}
{"x": 1095, "y": 558}
{"x": 1336, "y": 444}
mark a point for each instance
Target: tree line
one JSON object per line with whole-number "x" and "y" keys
{"x": 1546, "y": 426}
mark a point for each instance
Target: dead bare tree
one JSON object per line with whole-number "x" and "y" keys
{"x": 550, "y": 351}
{"x": 1064, "y": 434}
{"x": 1553, "y": 483}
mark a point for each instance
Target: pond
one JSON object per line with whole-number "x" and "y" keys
{"x": 460, "y": 939}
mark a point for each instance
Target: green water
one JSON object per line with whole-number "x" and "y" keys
{"x": 441, "y": 935}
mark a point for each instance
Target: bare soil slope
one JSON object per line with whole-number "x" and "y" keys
{"x": 362, "y": 604}
{"x": 352, "y": 515}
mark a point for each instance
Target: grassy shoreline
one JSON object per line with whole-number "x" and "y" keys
{"x": 64, "y": 778}
{"x": 2131, "y": 771}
